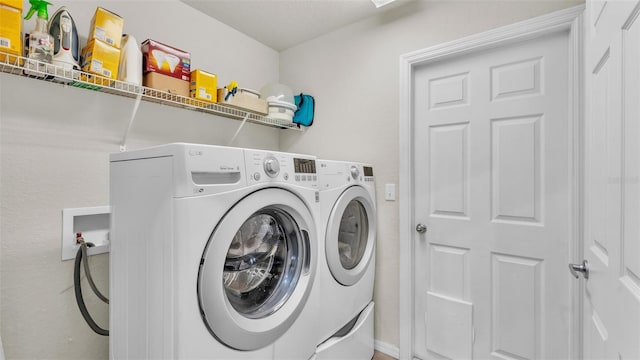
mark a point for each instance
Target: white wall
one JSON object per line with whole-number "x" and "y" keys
{"x": 54, "y": 146}
{"x": 353, "y": 74}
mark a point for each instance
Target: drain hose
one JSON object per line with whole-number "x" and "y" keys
{"x": 82, "y": 252}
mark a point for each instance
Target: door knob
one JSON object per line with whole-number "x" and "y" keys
{"x": 580, "y": 268}
{"x": 421, "y": 228}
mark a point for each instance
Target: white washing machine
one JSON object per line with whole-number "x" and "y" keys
{"x": 213, "y": 253}
{"x": 346, "y": 273}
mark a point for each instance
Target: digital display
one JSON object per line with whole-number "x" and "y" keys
{"x": 368, "y": 171}
{"x": 304, "y": 166}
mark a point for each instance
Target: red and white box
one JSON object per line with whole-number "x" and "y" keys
{"x": 165, "y": 59}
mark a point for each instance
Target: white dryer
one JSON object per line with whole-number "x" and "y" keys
{"x": 213, "y": 253}
{"x": 346, "y": 273}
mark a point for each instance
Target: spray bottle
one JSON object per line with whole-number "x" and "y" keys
{"x": 40, "y": 41}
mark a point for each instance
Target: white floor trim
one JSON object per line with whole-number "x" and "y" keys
{"x": 387, "y": 349}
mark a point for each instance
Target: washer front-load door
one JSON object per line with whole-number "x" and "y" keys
{"x": 350, "y": 238}
{"x": 257, "y": 269}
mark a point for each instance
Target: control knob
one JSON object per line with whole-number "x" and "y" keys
{"x": 355, "y": 172}
{"x": 271, "y": 166}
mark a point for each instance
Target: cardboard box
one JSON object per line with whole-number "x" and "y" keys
{"x": 165, "y": 59}
{"x": 204, "y": 86}
{"x": 107, "y": 27}
{"x": 244, "y": 100}
{"x": 166, "y": 83}
{"x": 16, "y": 4}
{"x": 10, "y": 37}
{"x": 100, "y": 59}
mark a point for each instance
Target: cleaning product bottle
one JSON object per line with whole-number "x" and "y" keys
{"x": 130, "y": 67}
{"x": 40, "y": 41}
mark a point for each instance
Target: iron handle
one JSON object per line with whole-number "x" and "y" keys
{"x": 580, "y": 268}
{"x": 421, "y": 228}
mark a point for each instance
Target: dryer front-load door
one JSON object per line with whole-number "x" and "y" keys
{"x": 257, "y": 269}
{"x": 350, "y": 237}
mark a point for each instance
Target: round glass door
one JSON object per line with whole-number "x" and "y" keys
{"x": 257, "y": 269}
{"x": 350, "y": 237}
{"x": 262, "y": 266}
{"x": 353, "y": 234}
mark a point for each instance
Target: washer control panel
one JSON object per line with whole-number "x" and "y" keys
{"x": 268, "y": 166}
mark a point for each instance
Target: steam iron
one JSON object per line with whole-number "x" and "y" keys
{"x": 65, "y": 36}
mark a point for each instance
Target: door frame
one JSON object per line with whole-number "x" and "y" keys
{"x": 571, "y": 20}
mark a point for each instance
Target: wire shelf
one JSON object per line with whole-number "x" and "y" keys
{"x": 21, "y": 66}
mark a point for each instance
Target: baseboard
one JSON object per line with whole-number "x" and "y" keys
{"x": 386, "y": 348}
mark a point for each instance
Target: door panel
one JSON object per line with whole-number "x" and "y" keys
{"x": 449, "y": 91}
{"x": 515, "y": 174}
{"x": 521, "y": 78}
{"x": 517, "y": 280}
{"x": 492, "y": 181}
{"x": 450, "y": 271}
{"x": 449, "y": 329}
{"x": 449, "y": 170}
{"x": 612, "y": 242}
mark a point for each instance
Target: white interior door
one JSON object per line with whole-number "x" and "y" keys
{"x": 492, "y": 185}
{"x": 612, "y": 233}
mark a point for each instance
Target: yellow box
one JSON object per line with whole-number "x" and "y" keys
{"x": 100, "y": 59}
{"x": 16, "y": 4}
{"x": 107, "y": 27}
{"x": 10, "y": 38}
{"x": 204, "y": 86}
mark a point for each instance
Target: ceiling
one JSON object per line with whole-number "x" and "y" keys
{"x": 281, "y": 24}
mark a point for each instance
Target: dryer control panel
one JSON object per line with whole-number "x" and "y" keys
{"x": 335, "y": 174}
{"x": 367, "y": 171}
{"x": 270, "y": 166}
